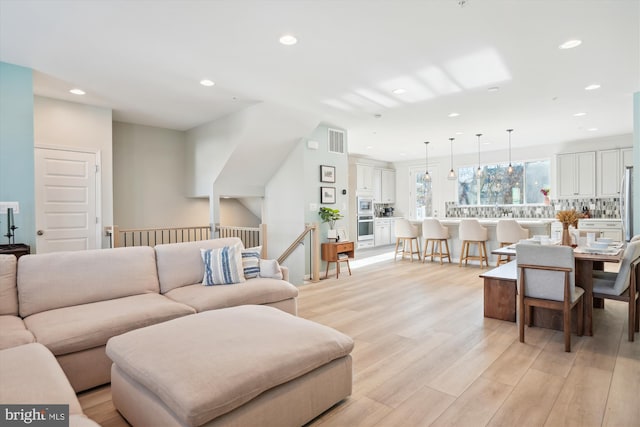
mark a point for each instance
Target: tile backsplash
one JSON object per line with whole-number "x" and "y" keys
{"x": 598, "y": 208}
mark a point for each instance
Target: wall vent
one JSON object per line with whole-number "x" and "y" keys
{"x": 336, "y": 141}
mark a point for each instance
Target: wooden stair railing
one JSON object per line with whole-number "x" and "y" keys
{"x": 121, "y": 237}
{"x": 314, "y": 230}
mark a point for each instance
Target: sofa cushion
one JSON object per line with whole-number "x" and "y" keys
{"x": 254, "y": 291}
{"x": 30, "y": 374}
{"x": 8, "y": 289}
{"x": 63, "y": 279}
{"x": 13, "y": 332}
{"x": 222, "y": 266}
{"x": 81, "y": 327}
{"x": 234, "y": 355}
{"x": 180, "y": 264}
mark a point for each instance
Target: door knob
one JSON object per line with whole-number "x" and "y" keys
{"x": 40, "y": 233}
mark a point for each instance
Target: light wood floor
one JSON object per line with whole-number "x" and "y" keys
{"x": 425, "y": 356}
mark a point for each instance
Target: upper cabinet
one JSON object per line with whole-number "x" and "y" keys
{"x": 364, "y": 178}
{"x": 611, "y": 164}
{"x": 384, "y": 185}
{"x": 576, "y": 174}
{"x": 388, "y": 186}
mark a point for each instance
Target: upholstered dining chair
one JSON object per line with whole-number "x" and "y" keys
{"x": 508, "y": 232}
{"x": 435, "y": 233}
{"x": 471, "y": 232}
{"x": 406, "y": 233}
{"x": 546, "y": 279}
{"x": 623, "y": 285}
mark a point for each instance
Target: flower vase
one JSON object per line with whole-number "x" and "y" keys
{"x": 566, "y": 236}
{"x": 547, "y": 201}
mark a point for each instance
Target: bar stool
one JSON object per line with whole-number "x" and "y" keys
{"x": 471, "y": 232}
{"x": 508, "y": 232}
{"x": 434, "y": 232}
{"x": 406, "y": 233}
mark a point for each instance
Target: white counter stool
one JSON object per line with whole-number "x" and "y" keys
{"x": 436, "y": 233}
{"x": 471, "y": 232}
{"x": 406, "y": 233}
{"x": 508, "y": 232}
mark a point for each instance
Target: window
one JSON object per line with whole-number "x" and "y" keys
{"x": 423, "y": 201}
{"x": 497, "y": 187}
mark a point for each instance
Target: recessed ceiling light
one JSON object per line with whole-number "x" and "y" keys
{"x": 403, "y": 154}
{"x": 493, "y": 89}
{"x": 207, "y": 82}
{"x": 570, "y": 44}
{"x": 459, "y": 133}
{"x": 592, "y": 87}
{"x": 579, "y": 114}
{"x": 77, "y": 91}
{"x": 288, "y": 40}
{"x": 399, "y": 91}
{"x": 453, "y": 115}
{"x": 592, "y": 129}
{"x": 369, "y": 147}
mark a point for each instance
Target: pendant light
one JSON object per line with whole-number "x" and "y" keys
{"x": 479, "y": 171}
{"x": 427, "y": 177}
{"x": 452, "y": 174}
{"x": 510, "y": 169}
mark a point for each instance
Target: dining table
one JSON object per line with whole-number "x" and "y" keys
{"x": 586, "y": 262}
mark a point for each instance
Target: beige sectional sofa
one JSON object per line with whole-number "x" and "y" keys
{"x": 73, "y": 302}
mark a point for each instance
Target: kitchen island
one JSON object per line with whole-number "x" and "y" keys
{"x": 536, "y": 226}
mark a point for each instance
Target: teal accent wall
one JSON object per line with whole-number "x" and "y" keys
{"x": 17, "y": 151}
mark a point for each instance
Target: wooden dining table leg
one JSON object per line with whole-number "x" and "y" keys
{"x": 584, "y": 279}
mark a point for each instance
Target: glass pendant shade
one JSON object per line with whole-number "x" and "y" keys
{"x": 479, "y": 171}
{"x": 452, "y": 174}
{"x": 427, "y": 177}
{"x": 510, "y": 169}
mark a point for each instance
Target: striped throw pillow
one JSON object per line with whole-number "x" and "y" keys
{"x": 251, "y": 262}
{"x": 222, "y": 266}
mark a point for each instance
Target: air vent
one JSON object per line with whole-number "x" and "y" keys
{"x": 336, "y": 141}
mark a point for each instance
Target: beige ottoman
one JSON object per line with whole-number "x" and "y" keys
{"x": 240, "y": 366}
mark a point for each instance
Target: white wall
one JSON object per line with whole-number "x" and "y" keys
{"x": 149, "y": 179}
{"x": 70, "y": 125}
{"x": 446, "y": 191}
{"x": 234, "y": 213}
{"x": 284, "y": 212}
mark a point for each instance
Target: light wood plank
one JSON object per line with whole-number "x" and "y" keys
{"x": 625, "y": 385}
{"x": 420, "y": 410}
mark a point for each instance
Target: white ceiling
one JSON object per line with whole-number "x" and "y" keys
{"x": 144, "y": 60}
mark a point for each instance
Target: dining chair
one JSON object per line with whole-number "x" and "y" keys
{"x": 436, "y": 233}
{"x": 546, "y": 279}
{"x": 508, "y": 232}
{"x": 623, "y": 285}
{"x": 471, "y": 232}
{"x": 635, "y": 238}
{"x": 406, "y": 233}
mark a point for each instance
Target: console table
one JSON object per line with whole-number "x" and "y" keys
{"x": 17, "y": 249}
{"x": 337, "y": 252}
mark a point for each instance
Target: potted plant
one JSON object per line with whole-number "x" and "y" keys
{"x": 331, "y": 216}
{"x": 545, "y": 192}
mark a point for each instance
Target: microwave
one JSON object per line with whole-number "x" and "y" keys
{"x": 365, "y": 205}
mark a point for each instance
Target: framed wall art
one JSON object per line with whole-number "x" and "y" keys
{"x": 327, "y": 195}
{"x": 327, "y": 173}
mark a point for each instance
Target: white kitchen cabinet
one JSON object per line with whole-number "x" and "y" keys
{"x": 611, "y": 229}
{"x": 382, "y": 232}
{"x": 377, "y": 187}
{"x": 364, "y": 177}
{"x": 576, "y": 174}
{"x": 627, "y": 157}
{"x": 611, "y": 164}
{"x": 388, "y": 186}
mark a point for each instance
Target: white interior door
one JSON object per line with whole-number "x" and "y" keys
{"x": 65, "y": 193}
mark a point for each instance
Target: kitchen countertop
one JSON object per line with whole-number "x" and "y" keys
{"x": 494, "y": 221}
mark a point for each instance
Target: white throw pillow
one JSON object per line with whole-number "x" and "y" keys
{"x": 222, "y": 266}
{"x": 251, "y": 262}
{"x": 270, "y": 268}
